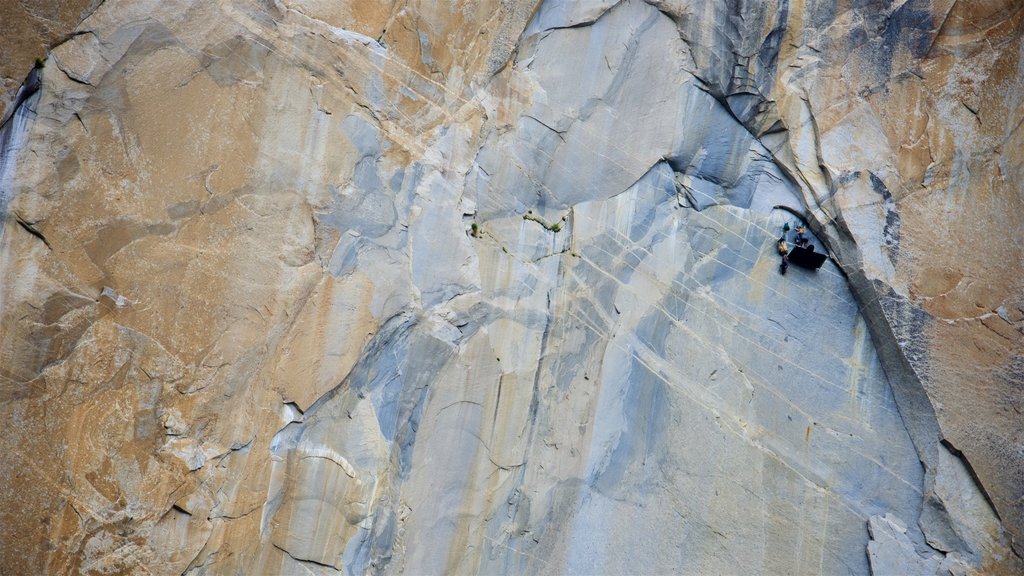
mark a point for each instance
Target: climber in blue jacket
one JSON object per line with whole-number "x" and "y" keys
{"x": 801, "y": 239}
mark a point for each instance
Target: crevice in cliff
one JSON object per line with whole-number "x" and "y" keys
{"x": 974, "y": 475}
{"x": 534, "y": 406}
{"x": 496, "y": 61}
{"x": 559, "y": 133}
{"x": 348, "y": 36}
{"x": 912, "y": 401}
{"x": 777, "y": 127}
{"x": 71, "y": 76}
{"x": 544, "y": 223}
{"x": 89, "y": 11}
{"x": 306, "y": 561}
{"x": 490, "y": 456}
{"x": 31, "y": 229}
{"x": 586, "y": 22}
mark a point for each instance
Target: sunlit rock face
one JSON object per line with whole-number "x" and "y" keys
{"x": 492, "y": 287}
{"x": 29, "y": 29}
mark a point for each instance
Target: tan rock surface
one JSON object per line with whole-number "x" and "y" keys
{"x": 30, "y": 29}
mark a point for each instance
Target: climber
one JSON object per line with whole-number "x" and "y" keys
{"x": 784, "y": 252}
{"x": 801, "y": 239}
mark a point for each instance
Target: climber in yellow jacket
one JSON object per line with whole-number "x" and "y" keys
{"x": 783, "y": 249}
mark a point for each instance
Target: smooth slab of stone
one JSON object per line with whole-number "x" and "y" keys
{"x": 689, "y": 382}
{"x": 891, "y": 552}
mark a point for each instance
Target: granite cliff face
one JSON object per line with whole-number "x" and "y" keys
{"x": 491, "y": 287}
{"x": 30, "y": 28}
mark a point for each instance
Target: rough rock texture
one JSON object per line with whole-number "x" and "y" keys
{"x": 30, "y": 28}
{"x": 491, "y": 287}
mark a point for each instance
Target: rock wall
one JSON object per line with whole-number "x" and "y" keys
{"x": 30, "y": 29}
{"x": 491, "y": 287}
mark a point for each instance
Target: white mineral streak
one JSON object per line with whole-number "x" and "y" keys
{"x": 492, "y": 288}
